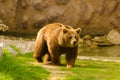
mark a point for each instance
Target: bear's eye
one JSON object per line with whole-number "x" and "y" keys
{"x": 75, "y": 37}
{"x": 70, "y": 37}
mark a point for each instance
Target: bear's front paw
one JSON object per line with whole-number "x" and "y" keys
{"x": 39, "y": 60}
{"x": 47, "y": 63}
{"x": 70, "y": 66}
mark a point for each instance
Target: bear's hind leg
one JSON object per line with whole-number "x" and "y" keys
{"x": 40, "y": 49}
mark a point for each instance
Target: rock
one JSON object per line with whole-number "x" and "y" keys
{"x": 21, "y": 47}
{"x": 25, "y": 47}
{"x": 40, "y": 5}
{"x": 95, "y": 17}
{"x": 97, "y": 41}
{"x": 11, "y": 50}
{"x": 16, "y": 45}
{"x": 94, "y": 45}
{"x": 114, "y": 37}
{"x": 1, "y": 21}
{"x": 87, "y": 40}
{"x": 1, "y": 49}
{"x": 3, "y": 27}
{"x": 87, "y": 37}
{"x": 104, "y": 44}
{"x": 62, "y": 2}
{"x": 100, "y": 39}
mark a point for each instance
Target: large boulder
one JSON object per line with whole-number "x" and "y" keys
{"x": 3, "y": 27}
{"x": 95, "y": 17}
{"x": 114, "y": 37}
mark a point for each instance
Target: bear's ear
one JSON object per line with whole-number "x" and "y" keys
{"x": 78, "y": 30}
{"x": 67, "y": 26}
{"x": 65, "y": 30}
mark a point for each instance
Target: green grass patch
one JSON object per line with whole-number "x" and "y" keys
{"x": 93, "y": 70}
{"x": 18, "y": 68}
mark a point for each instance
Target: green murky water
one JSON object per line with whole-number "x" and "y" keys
{"x": 108, "y": 51}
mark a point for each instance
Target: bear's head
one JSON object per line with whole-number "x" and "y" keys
{"x": 71, "y": 37}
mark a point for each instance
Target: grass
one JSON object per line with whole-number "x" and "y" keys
{"x": 18, "y": 68}
{"x": 93, "y": 70}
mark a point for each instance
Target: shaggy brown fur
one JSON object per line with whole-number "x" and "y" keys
{"x": 55, "y": 39}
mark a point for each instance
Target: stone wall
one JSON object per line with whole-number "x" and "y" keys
{"x": 95, "y": 17}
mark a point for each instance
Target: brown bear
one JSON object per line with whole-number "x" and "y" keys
{"x": 55, "y": 39}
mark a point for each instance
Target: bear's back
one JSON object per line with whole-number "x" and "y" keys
{"x": 50, "y": 29}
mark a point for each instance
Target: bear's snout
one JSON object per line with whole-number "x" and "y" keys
{"x": 74, "y": 43}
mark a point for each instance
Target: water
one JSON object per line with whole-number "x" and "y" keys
{"x": 112, "y": 52}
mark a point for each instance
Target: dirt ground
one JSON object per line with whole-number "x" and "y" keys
{"x": 56, "y": 72}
